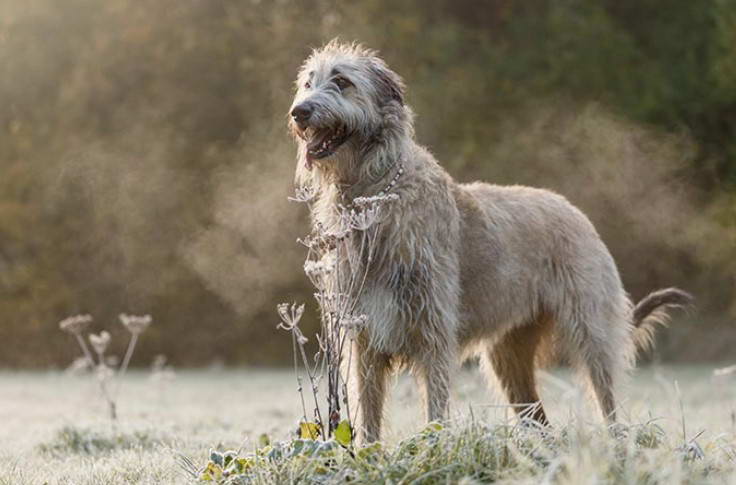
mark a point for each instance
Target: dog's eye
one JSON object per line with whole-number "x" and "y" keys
{"x": 307, "y": 85}
{"x": 342, "y": 83}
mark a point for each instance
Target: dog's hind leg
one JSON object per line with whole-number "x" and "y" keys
{"x": 599, "y": 360}
{"x": 601, "y": 349}
{"x": 512, "y": 360}
{"x": 599, "y": 370}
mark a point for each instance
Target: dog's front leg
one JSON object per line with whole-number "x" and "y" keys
{"x": 434, "y": 380}
{"x": 370, "y": 373}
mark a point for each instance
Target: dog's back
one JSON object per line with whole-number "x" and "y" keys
{"x": 527, "y": 251}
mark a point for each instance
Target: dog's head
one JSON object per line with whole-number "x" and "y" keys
{"x": 346, "y": 95}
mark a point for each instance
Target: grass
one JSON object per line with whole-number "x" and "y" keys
{"x": 483, "y": 453}
{"x": 71, "y": 440}
{"x": 678, "y": 426}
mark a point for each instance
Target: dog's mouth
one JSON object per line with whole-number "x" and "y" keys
{"x": 321, "y": 143}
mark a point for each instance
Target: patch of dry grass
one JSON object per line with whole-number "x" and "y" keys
{"x": 55, "y": 430}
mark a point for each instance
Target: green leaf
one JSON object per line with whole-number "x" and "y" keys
{"x": 216, "y": 457}
{"x": 273, "y": 453}
{"x": 264, "y": 440}
{"x": 324, "y": 447}
{"x": 244, "y": 464}
{"x": 370, "y": 452}
{"x": 432, "y": 427}
{"x": 212, "y": 472}
{"x": 228, "y": 457}
{"x": 309, "y": 431}
{"x": 344, "y": 433}
{"x": 300, "y": 445}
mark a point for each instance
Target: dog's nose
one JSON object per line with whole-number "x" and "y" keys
{"x": 302, "y": 112}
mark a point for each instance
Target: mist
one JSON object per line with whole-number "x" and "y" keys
{"x": 145, "y": 164}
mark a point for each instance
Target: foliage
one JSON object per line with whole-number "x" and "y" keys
{"x": 478, "y": 453}
{"x": 144, "y": 160}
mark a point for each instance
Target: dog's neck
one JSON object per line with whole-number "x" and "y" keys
{"x": 358, "y": 171}
{"x": 380, "y": 183}
{"x": 367, "y": 174}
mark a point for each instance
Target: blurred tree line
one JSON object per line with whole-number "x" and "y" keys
{"x": 145, "y": 165}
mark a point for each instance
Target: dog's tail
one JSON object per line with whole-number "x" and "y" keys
{"x": 652, "y": 311}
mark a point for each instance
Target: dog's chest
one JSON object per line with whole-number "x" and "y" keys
{"x": 395, "y": 298}
{"x": 391, "y": 274}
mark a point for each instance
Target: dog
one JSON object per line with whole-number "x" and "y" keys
{"x": 513, "y": 274}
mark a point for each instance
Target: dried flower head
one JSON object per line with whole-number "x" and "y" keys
{"x": 323, "y": 242}
{"x": 304, "y": 193}
{"x": 339, "y": 234}
{"x": 331, "y": 303}
{"x": 290, "y": 315}
{"x": 321, "y": 267}
{"x": 307, "y": 241}
{"x": 319, "y": 271}
{"x": 353, "y": 324}
{"x": 100, "y": 342}
{"x": 136, "y": 324}
{"x": 75, "y": 324}
{"x": 364, "y": 218}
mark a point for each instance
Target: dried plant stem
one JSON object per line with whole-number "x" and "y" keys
{"x": 298, "y": 376}
{"x": 313, "y": 382}
{"x": 126, "y": 360}
{"x": 111, "y": 406}
{"x": 85, "y": 349}
{"x": 128, "y": 354}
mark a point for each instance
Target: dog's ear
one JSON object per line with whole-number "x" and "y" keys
{"x": 390, "y": 85}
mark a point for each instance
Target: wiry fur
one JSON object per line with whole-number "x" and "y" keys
{"x": 651, "y": 311}
{"x": 512, "y": 274}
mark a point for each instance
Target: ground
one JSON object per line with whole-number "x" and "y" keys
{"x": 54, "y": 429}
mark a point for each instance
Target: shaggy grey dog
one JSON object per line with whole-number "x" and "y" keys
{"x": 512, "y": 274}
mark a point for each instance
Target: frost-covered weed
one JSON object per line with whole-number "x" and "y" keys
{"x": 104, "y": 367}
{"x": 337, "y": 264}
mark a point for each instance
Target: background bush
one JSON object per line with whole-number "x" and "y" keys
{"x": 144, "y": 161}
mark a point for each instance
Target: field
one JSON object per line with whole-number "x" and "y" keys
{"x": 53, "y": 428}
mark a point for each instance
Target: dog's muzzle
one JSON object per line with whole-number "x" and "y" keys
{"x": 301, "y": 114}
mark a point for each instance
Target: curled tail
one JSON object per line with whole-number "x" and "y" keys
{"x": 652, "y": 311}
